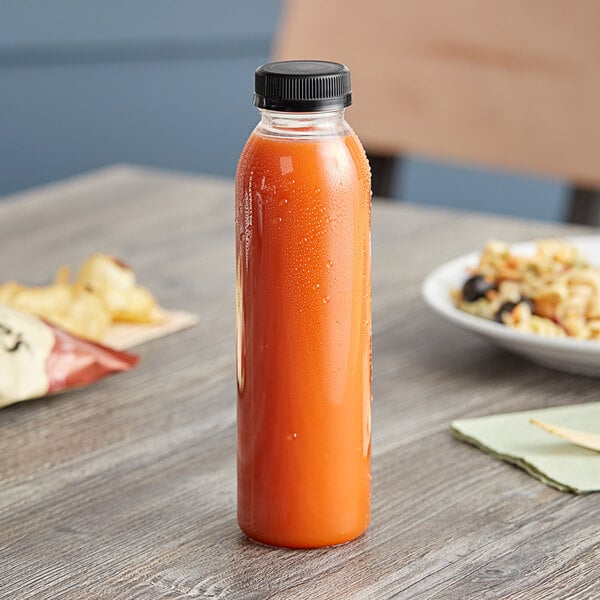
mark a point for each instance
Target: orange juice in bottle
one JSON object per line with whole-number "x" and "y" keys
{"x": 303, "y": 195}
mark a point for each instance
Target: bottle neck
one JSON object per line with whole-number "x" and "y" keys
{"x": 302, "y": 125}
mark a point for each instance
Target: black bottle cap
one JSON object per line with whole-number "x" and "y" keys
{"x": 302, "y": 86}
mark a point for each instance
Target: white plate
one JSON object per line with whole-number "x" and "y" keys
{"x": 565, "y": 354}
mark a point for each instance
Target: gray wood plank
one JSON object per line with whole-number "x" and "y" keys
{"x": 127, "y": 489}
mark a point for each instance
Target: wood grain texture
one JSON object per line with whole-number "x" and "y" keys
{"x": 127, "y": 489}
{"x": 509, "y": 84}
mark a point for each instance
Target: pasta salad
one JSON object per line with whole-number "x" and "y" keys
{"x": 555, "y": 292}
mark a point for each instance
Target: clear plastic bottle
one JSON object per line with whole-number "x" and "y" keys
{"x": 303, "y": 299}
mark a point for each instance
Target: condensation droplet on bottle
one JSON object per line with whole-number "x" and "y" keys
{"x": 326, "y": 300}
{"x": 292, "y": 436}
{"x": 316, "y": 286}
{"x": 329, "y": 264}
{"x": 306, "y": 239}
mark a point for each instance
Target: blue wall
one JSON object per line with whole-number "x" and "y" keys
{"x": 434, "y": 183}
{"x": 168, "y": 83}
{"x": 85, "y": 84}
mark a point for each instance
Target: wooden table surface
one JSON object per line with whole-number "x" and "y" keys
{"x": 127, "y": 489}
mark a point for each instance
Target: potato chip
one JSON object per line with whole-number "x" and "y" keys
{"x": 105, "y": 291}
{"x": 8, "y": 291}
{"x": 63, "y": 275}
{"x": 114, "y": 282}
{"x": 86, "y": 316}
{"x": 42, "y": 301}
{"x": 78, "y": 311}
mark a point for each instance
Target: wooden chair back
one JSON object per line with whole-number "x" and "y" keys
{"x": 505, "y": 84}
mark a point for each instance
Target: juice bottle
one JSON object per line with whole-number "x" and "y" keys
{"x": 303, "y": 313}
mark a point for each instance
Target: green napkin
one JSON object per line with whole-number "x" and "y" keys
{"x": 553, "y": 461}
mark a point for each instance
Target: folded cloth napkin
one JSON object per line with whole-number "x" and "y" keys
{"x": 554, "y": 461}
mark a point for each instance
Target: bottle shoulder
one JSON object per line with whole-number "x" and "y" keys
{"x": 302, "y": 126}
{"x": 260, "y": 134}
